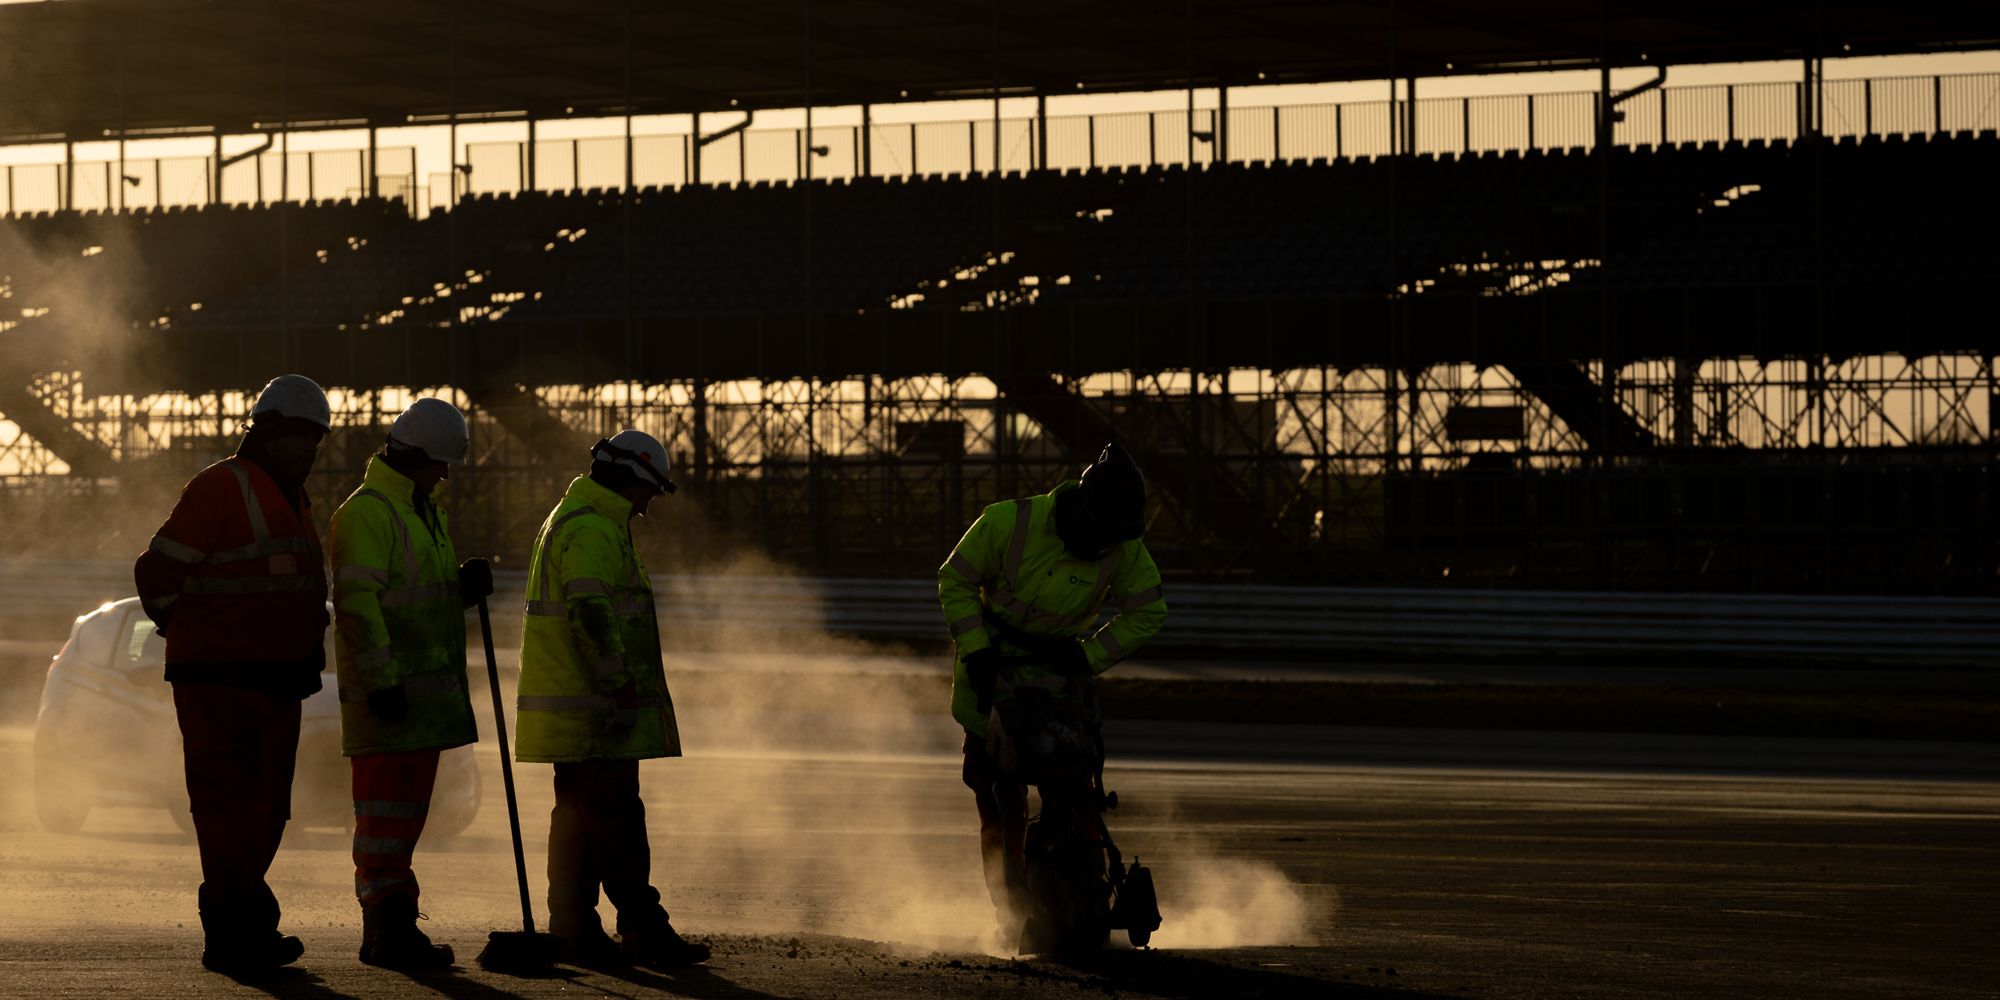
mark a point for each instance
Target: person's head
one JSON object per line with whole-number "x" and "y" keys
{"x": 632, "y": 464}
{"x": 1108, "y": 506}
{"x": 287, "y": 423}
{"x": 426, "y": 441}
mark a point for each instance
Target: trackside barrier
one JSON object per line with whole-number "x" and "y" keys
{"x": 759, "y": 610}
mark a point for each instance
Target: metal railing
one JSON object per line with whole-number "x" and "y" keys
{"x": 770, "y": 613}
{"x": 977, "y": 145}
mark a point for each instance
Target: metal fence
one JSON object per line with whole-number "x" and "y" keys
{"x": 978, "y": 145}
{"x": 1312, "y": 621}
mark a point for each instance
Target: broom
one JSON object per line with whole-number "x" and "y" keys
{"x": 526, "y": 950}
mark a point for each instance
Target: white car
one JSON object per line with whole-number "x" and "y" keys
{"x": 106, "y": 736}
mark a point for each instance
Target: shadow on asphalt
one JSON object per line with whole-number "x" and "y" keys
{"x": 1159, "y": 974}
{"x": 290, "y": 983}
{"x": 693, "y": 981}
{"x": 452, "y": 983}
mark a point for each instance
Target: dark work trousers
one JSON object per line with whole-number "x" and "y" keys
{"x": 392, "y": 798}
{"x": 597, "y": 836}
{"x": 239, "y": 747}
{"x": 1003, "y": 824}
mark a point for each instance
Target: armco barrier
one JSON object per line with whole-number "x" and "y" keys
{"x": 1299, "y": 621}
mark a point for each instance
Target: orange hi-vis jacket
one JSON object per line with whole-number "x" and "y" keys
{"x": 237, "y": 572}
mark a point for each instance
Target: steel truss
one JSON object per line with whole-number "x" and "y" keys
{"x": 1343, "y": 467}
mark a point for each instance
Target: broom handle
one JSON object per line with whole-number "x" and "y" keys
{"x": 506, "y": 766}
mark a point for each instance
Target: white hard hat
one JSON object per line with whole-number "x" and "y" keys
{"x": 639, "y": 451}
{"x": 295, "y": 396}
{"x": 435, "y": 428}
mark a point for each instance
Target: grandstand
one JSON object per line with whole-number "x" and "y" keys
{"x": 1361, "y": 342}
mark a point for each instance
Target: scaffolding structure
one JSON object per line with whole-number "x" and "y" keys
{"x": 1451, "y": 472}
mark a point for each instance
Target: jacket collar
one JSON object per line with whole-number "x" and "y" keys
{"x": 603, "y": 500}
{"x": 388, "y": 482}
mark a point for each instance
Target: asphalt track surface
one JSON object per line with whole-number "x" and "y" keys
{"x": 1293, "y": 861}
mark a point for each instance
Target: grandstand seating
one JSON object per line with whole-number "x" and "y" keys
{"x": 1681, "y": 215}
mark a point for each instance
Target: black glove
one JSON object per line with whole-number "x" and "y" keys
{"x": 627, "y": 715}
{"x": 475, "y": 580}
{"x": 1071, "y": 661}
{"x": 391, "y": 704}
{"x": 982, "y": 670}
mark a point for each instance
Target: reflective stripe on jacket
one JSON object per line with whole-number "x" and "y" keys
{"x": 397, "y": 618}
{"x": 237, "y": 572}
{"x": 1011, "y": 566}
{"x": 590, "y": 630}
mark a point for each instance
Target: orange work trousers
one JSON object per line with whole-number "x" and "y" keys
{"x": 392, "y": 797}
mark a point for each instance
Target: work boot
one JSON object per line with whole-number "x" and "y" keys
{"x": 390, "y": 938}
{"x": 661, "y": 947}
{"x": 250, "y": 956}
{"x": 585, "y": 945}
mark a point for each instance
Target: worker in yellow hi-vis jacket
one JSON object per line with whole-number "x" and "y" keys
{"x": 593, "y": 701}
{"x": 399, "y": 615}
{"x": 1029, "y": 580}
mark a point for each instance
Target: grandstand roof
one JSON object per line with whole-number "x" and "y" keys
{"x": 83, "y": 67}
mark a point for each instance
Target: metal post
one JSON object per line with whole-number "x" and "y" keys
{"x": 1729, "y": 97}
{"x": 374, "y": 167}
{"x": 1465, "y": 125}
{"x": 694, "y": 153}
{"x": 1041, "y": 132}
{"x": 1531, "y": 123}
{"x": 1867, "y": 106}
{"x": 1277, "y": 146}
{"x": 1663, "y": 116}
{"x": 867, "y": 141}
{"x": 743, "y": 157}
{"x": 1090, "y": 124}
{"x": 971, "y": 147}
{"x": 215, "y": 175}
{"x": 1222, "y": 124}
{"x": 1336, "y": 132}
{"x": 69, "y": 175}
{"x": 1152, "y": 139}
{"x": 913, "y": 149}
{"x": 1937, "y": 104}
{"x": 1410, "y": 114}
{"x": 528, "y": 167}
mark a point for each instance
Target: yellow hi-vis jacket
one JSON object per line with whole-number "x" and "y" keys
{"x": 1011, "y": 566}
{"x": 397, "y": 618}
{"x": 591, "y": 630}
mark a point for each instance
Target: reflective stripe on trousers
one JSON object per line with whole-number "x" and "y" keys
{"x": 392, "y": 796}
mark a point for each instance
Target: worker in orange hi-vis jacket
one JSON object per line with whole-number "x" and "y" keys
{"x": 236, "y": 582}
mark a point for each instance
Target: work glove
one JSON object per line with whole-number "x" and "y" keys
{"x": 475, "y": 580}
{"x": 391, "y": 704}
{"x": 622, "y": 723}
{"x": 1070, "y": 659}
{"x": 982, "y": 671}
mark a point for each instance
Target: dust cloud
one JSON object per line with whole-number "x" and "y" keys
{"x": 1216, "y": 902}
{"x": 813, "y": 774}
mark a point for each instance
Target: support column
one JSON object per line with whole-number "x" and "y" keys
{"x": 1222, "y": 124}
{"x": 1042, "y": 131}
{"x": 528, "y": 158}
{"x": 374, "y": 166}
{"x": 69, "y": 174}
{"x": 215, "y": 174}
{"x": 867, "y": 140}
{"x": 694, "y": 153}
